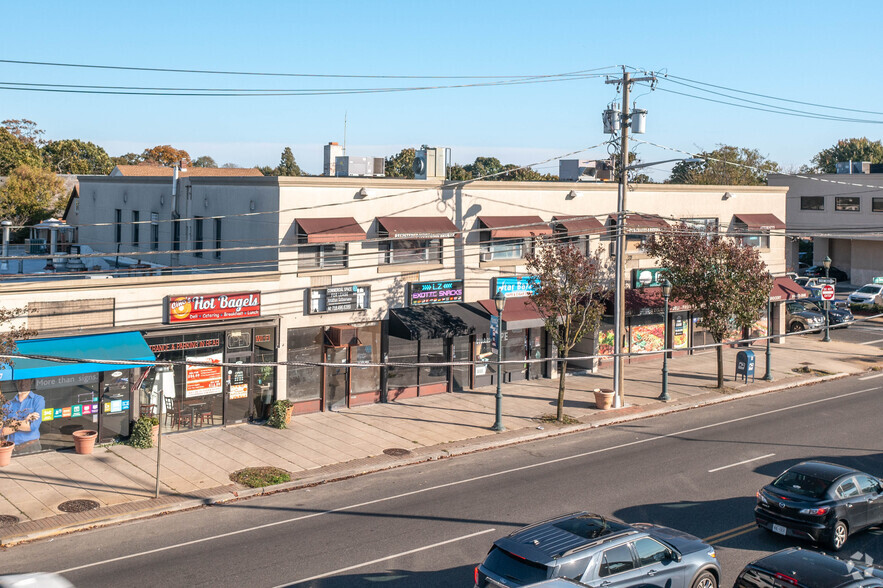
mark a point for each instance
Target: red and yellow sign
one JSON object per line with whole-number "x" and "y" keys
{"x": 213, "y": 307}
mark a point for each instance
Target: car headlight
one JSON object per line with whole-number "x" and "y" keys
{"x": 711, "y": 553}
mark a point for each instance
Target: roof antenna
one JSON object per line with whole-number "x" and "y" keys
{"x": 344, "y": 132}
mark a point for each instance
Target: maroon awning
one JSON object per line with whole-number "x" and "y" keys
{"x": 418, "y": 227}
{"x": 579, "y": 225}
{"x": 641, "y": 223}
{"x": 760, "y": 221}
{"x": 784, "y": 288}
{"x": 331, "y": 230}
{"x": 505, "y": 227}
{"x": 520, "y": 312}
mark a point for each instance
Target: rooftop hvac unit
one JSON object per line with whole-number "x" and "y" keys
{"x": 35, "y": 246}
{"x": 429, "y": 164}
{"x": 349, "y": 166}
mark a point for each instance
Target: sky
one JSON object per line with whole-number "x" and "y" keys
{"x": 801, "y": 51}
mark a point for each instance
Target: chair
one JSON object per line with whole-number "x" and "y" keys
{"x": 174, "y": 414}
{"x": 207, "y": 412}
{"x": 148, "y": 410}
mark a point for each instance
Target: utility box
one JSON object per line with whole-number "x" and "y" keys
{"x": 745, "y": 365}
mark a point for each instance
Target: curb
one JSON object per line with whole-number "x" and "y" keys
{"x": 434, "y": 453}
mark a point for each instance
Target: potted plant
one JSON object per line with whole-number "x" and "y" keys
{"x": 145, "y": 432}
{"x": 6, "y": 421}
{"x": 280, "y": 414}
{"x": 84, "y": 441}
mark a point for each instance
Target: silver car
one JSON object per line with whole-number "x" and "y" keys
{"x": 598, "y": 551}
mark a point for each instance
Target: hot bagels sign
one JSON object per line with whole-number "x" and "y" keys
{"x": 213, "y": 307}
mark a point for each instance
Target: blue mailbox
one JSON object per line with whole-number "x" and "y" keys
{"x": 745, "y": 365}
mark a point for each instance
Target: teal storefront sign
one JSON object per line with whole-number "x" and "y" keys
{"x": 648, "y": 277}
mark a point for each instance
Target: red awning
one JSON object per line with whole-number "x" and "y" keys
{"x": 784, "y": 288}
{"x": 331, "y": 230}
{"x": 504, "y": 227}
{"x": 760, "y": 221}
{"x": 418, "y": 227}
{"x": 642, "y": 223}
{"x": 579, "y": 225}
{"x": 519, "y": 313}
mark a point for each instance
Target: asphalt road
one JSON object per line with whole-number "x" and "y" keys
{"x": 865, "y": 333}
{"x": 429, "y": 525}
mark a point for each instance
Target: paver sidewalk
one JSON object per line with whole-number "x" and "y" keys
{"x": 325, "y": 446}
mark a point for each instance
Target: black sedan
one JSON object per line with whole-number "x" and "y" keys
{"x": 809, "y": 569}
{"x": 840, "y": 315}
{"x": 820, "y": 501}
{"x": 818, "y": 271}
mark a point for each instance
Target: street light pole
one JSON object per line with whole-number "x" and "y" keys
{"x": 827, "y": 337}
{"x": 666, "y": 292}
{"x": 768, "y": 376}
{"x": 500, "y": 303}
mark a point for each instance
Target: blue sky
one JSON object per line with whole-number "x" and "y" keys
{"x": 808, "y": 51}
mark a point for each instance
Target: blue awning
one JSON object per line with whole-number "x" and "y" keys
{"x": 110, "y": 347}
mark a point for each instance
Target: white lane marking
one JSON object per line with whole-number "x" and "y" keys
{"x": 466, "y": 481}
{"x": 872, "y": 342}
{"x": 871, "y": 377}
{"x": 732, "y": 465}
{"x": 388, "y": 557}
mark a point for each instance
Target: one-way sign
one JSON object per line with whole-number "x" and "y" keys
{"x": 832, "y": 281}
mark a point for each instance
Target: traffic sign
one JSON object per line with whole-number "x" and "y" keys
{"x": 831, "y": 281}
{"x": 827, "y": 292}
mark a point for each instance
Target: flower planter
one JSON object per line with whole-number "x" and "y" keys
{"x": 603, "y": 398}
{"x": 154, "y": 435}
{"x": 6, "y": 452}
{"x": 84, "y": 441}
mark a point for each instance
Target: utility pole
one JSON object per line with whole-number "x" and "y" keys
{"x": 619, "y": 293}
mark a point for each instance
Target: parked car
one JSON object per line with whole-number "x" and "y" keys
{"x": 35, "y": 580}
{"x": 821, "y": 502}
{"x": 808, "y": 569}
{"x": 805, "y": 282}
{"x": 839, "y": 312}
{"x": 598, "y": 551}
{"x": 799, "y": 318}
{"x": 818, "y": 271}
{"x": 867, "y": 294}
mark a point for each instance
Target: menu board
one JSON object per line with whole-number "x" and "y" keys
{"x": 424, "y": 293}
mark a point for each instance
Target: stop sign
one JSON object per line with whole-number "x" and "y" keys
{"x": 827, "y": 292}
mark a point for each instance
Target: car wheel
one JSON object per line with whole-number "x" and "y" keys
{"x": 795, "y": 328}
{"x": 705, "y": 580}
{"x": 838, "y": 536}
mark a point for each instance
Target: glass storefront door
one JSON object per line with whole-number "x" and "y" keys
{"x": 460, "y": 348}
{"x": 336, "y": 377}
{"x": 239, "y": 390}
{"x": 514, "y": 348}
{"x": 114, "y": 406}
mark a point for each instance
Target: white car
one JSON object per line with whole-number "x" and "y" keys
{"x": 867, "y": 294}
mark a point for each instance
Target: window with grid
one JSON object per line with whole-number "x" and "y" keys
{"x": 502, "y": 249}
{"x": 405, "y": 251}
{"x": 325, "y": 256}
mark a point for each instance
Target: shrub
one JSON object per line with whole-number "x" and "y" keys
{"x": 142, "y": 432}
{"x": 277, "y": 414}
{"x": 260, "y": 477}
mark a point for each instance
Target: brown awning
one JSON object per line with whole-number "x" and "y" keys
{"x": 331, "y": 230}
{"x": 641, "y": 223}
{"x": 418, "y": 227}
{"x": 504, "y": 227}
{"x": 579, "y": 225}
{"x": 638, "y": 299}
{"x": 760, "y": 221}
{"x": 784, "y": 288}
{"x": 519, "y": 313}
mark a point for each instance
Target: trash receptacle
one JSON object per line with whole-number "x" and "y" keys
{"x": 745, "y": 365}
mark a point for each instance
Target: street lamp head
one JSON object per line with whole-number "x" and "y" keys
{"x": 666, "y": 288}
{"x": 827, "y": 262}
{"x": 500, "y": 302}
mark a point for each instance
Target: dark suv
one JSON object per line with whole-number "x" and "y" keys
{"x": 598, "y": 551}
{"x": 808, "y": 569}
{"x": 798, "y": 318}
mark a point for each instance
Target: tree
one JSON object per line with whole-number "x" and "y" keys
{"x": 726, "y": 165}
{"x": 165, "y": 155}
{"x": 458, "y": 173}
{"x": 267, "y": 170}
{"x": 14, "y": 153}
{"x": 230, "y": 165}
{"x": 204, "y": 161}
{"x": 825, "y": 161}
{"x": 25, "y": 131}
{"x": 30, "y": 196}
{"x": 127, "y": 159}
{"x": 722, "y": 280}
{"x": 72, "y": 156}
{"x": 287, "y": 165}
{"x": 525, "y": 174}
{"x": 485, "y": 166}
{"x": 401, "y": 165}
{"x": 567, "y": 288}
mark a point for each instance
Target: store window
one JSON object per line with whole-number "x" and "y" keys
{"x": 366, "y": 379}
{"x": 305, "y": 381}
{"x": 847, "y": 203}
{"x": 405, "y": 251}
{"x": 402, "y": 351}
{"x": 328, "y": 256}
{"x": 876, "y": 204}
{"x": 432, "y": 351}
{"x": 812, "y": 203}
{"x": 136, "y": 228}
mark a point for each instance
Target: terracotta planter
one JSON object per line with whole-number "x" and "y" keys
{"x": 603, "y": 398}
{"x": 154, "y": 435}
{"x": 288, "y": 412}
{"x": 6, "y": 453}
{"x": 84, "y": 441}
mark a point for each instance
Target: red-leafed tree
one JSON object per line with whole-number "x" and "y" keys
{"x": 165, "y": 155}
{"x": 567, "y": 291}
{"x": 724, "y": 281}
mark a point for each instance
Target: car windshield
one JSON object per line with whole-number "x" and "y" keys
{"x": 868, "y": 290}
{"x": 802, "y": 484}
{"x": 811, "y": 306}
{"x": 514, "y": 568}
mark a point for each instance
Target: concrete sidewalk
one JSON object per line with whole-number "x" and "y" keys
{"x": 321, "y": 447}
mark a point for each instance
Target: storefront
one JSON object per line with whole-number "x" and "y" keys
{"x": 203, "y": 332}
{"x": 523, "y": 337}
{"x": 80, "y": 394}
